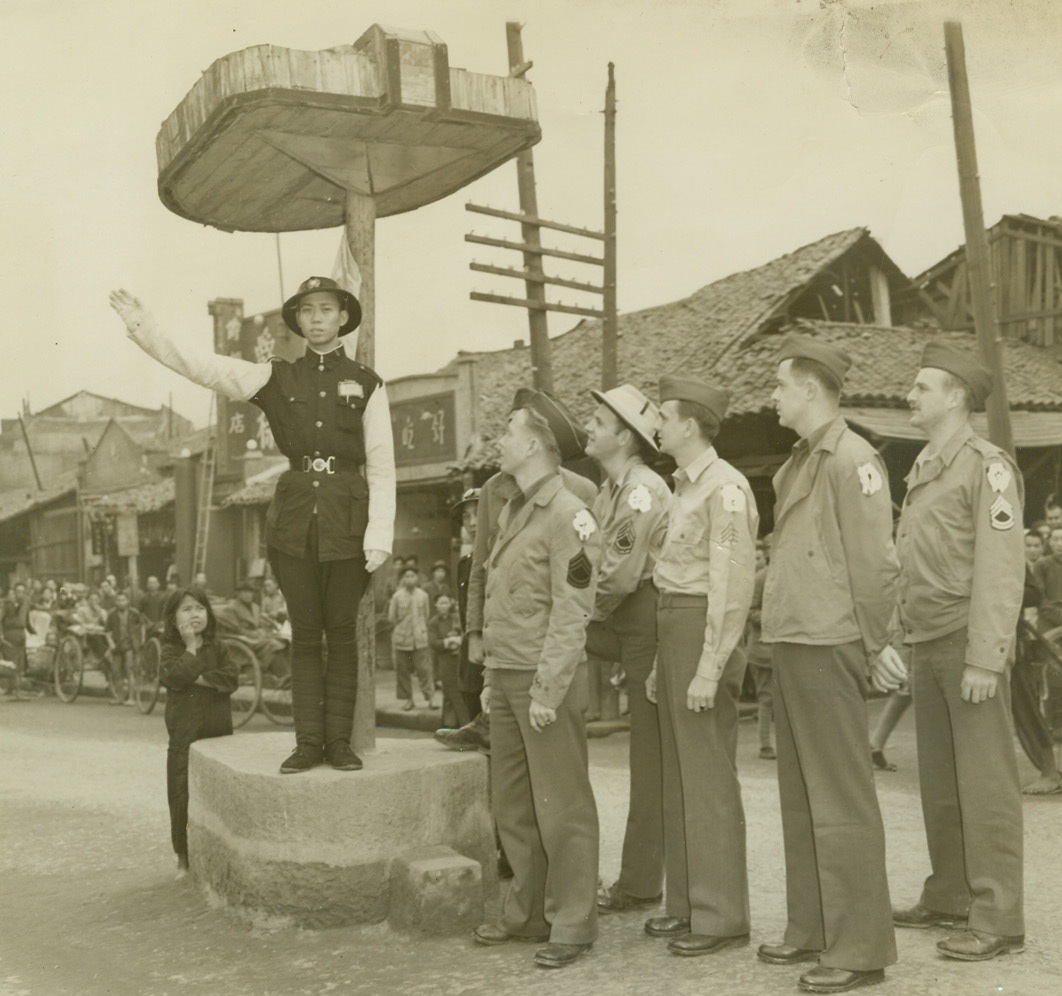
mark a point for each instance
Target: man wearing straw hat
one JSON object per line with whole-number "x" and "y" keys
{"x": 631, "y": 509}
{"x": 331, "y": 520}
{"x": 961, "y": 583}
{"x": 828, "y": 599}
{"x": 704, "y": 575}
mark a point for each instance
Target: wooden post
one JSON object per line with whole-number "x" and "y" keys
{"x": 541, "y": 367}
{"x": 977, "y": 261}
{"x": 609, "y": 327}
{"x": 360, "y": 229}
{"x": 29, "y": 452}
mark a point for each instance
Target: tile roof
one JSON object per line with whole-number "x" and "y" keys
{"x": 141, "y": 499}
{"x": 257, "y": 490}
{"x": 19, "y": 500}
{"x": 694, "y": 333}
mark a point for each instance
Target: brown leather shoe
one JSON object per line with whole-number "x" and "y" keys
{"x": 975, "y": 945}
{"x": 560, "y": 955}
{"x": 785, "y": 954}
{"x": 667, "y": 926}
{"x": 491, "y": 933}
{"x": 613, "y": 899}
{"x": 691, "y": 945}
{"x": 838, "y": 980}
{"x": 920, "y": 917}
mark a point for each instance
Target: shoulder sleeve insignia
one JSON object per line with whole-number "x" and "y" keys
{"x": 624, "y": 541}
{"x": 733, "y": 498}
{"x": 1001, "y": 513}
{"x": 999, "y": 476}
{"x": 584, "y": 525}
{"x": 580, "y": 570}
{"x": 869, "y": 478}
{"x": 640, "y": 499}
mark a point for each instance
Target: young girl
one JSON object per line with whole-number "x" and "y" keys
{"x": 199, "y": 679}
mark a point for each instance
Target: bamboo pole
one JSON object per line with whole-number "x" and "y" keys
{"x": 977, "y": 262}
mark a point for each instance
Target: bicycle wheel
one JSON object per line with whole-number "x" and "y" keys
{"x": 276, "y": 691}
{"x": 147, "y": 688}
{"x": 69, "y": 668}
{"x": 245, "y": 699}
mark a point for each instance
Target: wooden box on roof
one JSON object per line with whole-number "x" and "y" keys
{"x": 270, "y": 139}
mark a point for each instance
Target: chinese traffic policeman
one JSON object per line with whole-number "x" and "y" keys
{"x": 704, "y": 574}
{"x": 631, "y": 509}
{"x": 961, "y": 583}
{"x": 828, "y": 598}
{"x": 331, "y": 520}
{"x": 540, "y": 581}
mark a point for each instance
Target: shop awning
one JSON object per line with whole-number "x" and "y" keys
{"x": 1032, "y": 430}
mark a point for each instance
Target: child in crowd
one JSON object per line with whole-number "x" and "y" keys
{"x": 199, "y": 679}
{"x": 444, "y": 634}
{"x": 124, "y": 630}
{"x": 408, "y": 616}
{"x": 760, "y": 657}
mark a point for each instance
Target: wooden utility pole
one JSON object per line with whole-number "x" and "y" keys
{"x": 541, "y": 367}
{"x": 982, "y": 290}
{"x": 29, "y": 452}
{"x": 609, "y": 327}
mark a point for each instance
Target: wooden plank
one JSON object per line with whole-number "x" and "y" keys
{"x": 542, "y": 223}
{"x": 523, "y": 302}
{"x": 537, "y": 250}
{"x": 541, "y": 278}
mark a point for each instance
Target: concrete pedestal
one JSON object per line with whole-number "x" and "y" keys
{"x": 317, "y": 849}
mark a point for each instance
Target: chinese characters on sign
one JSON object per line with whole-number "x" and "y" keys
{"x": 424, "y": 430}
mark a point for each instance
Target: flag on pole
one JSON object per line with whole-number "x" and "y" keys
{"x": 345, "y": 272}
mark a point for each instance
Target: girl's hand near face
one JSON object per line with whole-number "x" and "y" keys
{"x": 188, "y": 635}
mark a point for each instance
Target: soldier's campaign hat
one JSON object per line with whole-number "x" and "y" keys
{"x": 471, "y": 495}
{"x": 634, "y": 410}
{"x": 678, "y": 387}
{"x": 570, "y": 435}
{"x": 833, "y": 358}
{"x": 961, "y": 363}
{"x": 348, "y": 302}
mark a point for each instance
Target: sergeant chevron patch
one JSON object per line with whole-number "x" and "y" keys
{"x": 624, "y": 541}
{"x": 1001, "y": 513}
{"x": 580, "y": 570}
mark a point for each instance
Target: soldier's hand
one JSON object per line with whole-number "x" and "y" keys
{"x": 484, "y": 700}
{"x": 541, "y": 716}
{"x": 374, "y": 559}
{"x": 978, "y": 684}
{"x": 888, "y": 671}
{"x": 129, "y": 308}
{"x": 700, "y": 696}
{"x": 476, "y": 653}
{"x": 650, "y": 686}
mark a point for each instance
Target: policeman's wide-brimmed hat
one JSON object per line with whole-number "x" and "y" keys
{"x": 961, "y": 363}
{"x": 634, "y": 410}
{"x": 245, "y": 584}
{"x": 470, "y": 496}
{"x": 833, "y": 358}
{"x": 570, "y": 435}
{"x": 676, "y": 387}
{"x": 348, "y": 302}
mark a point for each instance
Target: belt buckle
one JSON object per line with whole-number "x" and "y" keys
{"x": 320, "y": 465}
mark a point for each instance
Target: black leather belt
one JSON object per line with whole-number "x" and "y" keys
{"x": 324, "y": 465}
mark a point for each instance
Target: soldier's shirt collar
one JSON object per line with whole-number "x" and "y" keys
{"x": 824, "y": 437}
{"x": 697, "y": 466}
{"x": 537, "y": 486}
{"x": 949, "y": 450}
{"x": 329, "y": 359}
{"x": 614, "y": 486}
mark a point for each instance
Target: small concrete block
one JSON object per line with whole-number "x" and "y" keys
{"x": 435, "y": 890}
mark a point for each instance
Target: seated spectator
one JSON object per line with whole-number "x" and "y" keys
{"x": 242, "y": 616}
{"x": 152, "y": 603}
{"x": 92, "y": 618}
{"x": 274, "y": 607}
{"x": 1048, "y": 574}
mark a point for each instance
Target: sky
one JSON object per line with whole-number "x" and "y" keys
{"x": 745, "y": 129}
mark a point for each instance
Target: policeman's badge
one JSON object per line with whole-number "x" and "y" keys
{"x": 1001, "y": 513}
{"x": 580, "y": 570}
{"x": 999, "y": 477}
{"x": 351, "y": 389}
{"x": 624, "y": 541}
{"x": 733, "y": 498}
{"x": 584, "y": 525}
{"x": 869, "y": 479}
{"x": 640, "y": 499}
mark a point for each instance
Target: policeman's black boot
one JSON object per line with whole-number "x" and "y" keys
{"x": 305, "y": 757}
{"x": 341, "y": 757}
